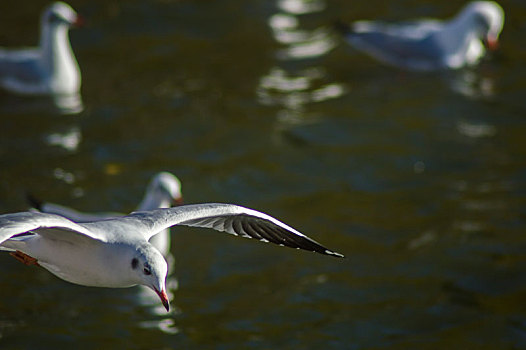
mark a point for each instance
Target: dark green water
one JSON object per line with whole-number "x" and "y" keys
{"x": 419, "y": 179}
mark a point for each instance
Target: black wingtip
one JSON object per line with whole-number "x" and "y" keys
{"x": 33, "y": 201}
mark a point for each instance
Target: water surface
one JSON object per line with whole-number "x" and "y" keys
{"x": 419, "y": 179}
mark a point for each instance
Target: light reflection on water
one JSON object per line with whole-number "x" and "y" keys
{"x": 305, "y": 46}
{"x": 295, "y": 89}
{"x": 301, "y": 7}
{"x": 68, "y": 104}
{"x": 160, "y": 319}
{"x": 299, "y": 43}
{"x": 69, "y": 140}
{"x": 475, "y": 130}
{"x": 65, "y": 104}
{"x": 295, "y": 92}
{"x": 477, "y": 85}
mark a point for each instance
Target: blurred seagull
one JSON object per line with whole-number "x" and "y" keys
{"x": 427, "y": 45}
{"x": 50, "y": 68}
{"x": 115, "y": 252}
{"x": 163, "y": 191}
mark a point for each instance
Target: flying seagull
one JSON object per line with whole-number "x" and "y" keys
{"x": 116, "y": 253}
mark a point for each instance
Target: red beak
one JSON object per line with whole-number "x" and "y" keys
{"x": 178, "y": 201}
{"x": 79, "y": 21}
{"x": 164, "y": 299}
{"x": 492, "y": 42}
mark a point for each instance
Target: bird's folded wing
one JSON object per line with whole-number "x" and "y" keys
{"x": 229, "y": 218}
{"x": 43, "y": 224}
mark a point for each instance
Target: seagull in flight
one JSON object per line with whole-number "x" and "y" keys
{"x": 116, "y": 253}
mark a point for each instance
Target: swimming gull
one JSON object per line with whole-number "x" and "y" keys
{"x": 428, "y": 44}
{"x": 50, "y": 68}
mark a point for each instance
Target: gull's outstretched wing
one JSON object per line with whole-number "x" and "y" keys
{"x": 229, "y": 218}
{"x": 51, "y": 225}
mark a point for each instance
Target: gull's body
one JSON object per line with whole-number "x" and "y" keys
{"x": 427, "y": 45}
{"x": 50, "y": 68}
{"x": 163, "y": 190}
{"x": 116, "y": 253}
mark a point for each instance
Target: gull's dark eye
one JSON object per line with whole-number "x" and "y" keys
{"x": 134, "y": 263}
{"x": 147, "y": 270}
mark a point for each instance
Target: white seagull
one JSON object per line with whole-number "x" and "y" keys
{"x": 50, "y": 68}
{"x": 427, "y": 44}
{"x": 163, "y": 191}
{"x": 116, "y": 253}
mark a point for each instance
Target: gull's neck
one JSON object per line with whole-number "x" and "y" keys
{"x": 58, "y": 59}
{"x": 153, "y": 200}
{"x": 460, "y": 42}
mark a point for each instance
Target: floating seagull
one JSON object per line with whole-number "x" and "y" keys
{"x": 427, "y": 45}
{"x": 115, "y": 252}
{"x": 162, "y": 191}
{"x": 50, "y": 68}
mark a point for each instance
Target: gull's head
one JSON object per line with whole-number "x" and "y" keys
{"x": 60, "y": 13}
{"x": 487, "y": 18}
{"x": 165, "y": 188}
{"x": 150, "y": 269}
